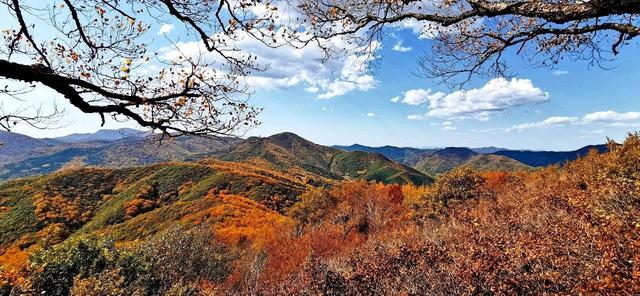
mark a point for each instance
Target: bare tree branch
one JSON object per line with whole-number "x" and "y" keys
{"x": 95, "y": 54}
{"x": 471, "y": 36}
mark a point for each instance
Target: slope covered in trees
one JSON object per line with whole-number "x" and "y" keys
{"x": 217, "y": 228}
{"x": 288, "y": 150}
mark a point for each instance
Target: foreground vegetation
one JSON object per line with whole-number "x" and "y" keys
{"x": 207, "y": 229}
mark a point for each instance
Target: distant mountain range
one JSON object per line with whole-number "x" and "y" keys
{"x": 16, "y": 147}
{"x": 103, "y": 135}
{"x": 544, "y": 158}
{"x": 42, "y": 156}
{"x": 285, "y": 151}
{"x": 436, "y": 161}
{"x": 22, "y": 156}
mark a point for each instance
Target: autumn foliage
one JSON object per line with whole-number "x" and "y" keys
{"x": 559, "y": 230}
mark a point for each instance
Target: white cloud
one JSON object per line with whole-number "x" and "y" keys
{"x": 549, "y": 122}
{"x": 312, "y": 89}
{"x": 497, "y": 95}
{"x": 449, "y": 128}
{"x": 611, "y": 117}
{"x": 398, "y": 47}
{"x": 371, "y": 114}
{"x": 447, "y": 123}
{"x": 560, "y": 72}
{"x": 415, "y": 117}
{"x": 165, "y": 29}
{"x": 420, "y": 96}
{"x": 395, "y": 99}
{"x": 288, "y": 67}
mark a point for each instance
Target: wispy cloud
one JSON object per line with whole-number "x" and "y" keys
{"x": 606, "y": 118}
{"x": 549, "y": 122}
{"x": 371, "y": 114}
{"x": 560, "y": 72}
{"x": 611, "y": 117}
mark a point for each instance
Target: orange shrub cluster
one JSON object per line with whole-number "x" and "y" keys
{"x": 58, "y": 209}
{"x": 144, "y": 201}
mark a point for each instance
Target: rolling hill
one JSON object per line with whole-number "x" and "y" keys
{"x": 488, "y": 162}
{"x": 16, "y": 147}
{"x": 443, "y": 160}
{"x": 288, "y": 150}
{"x": 399, "y": 154}
{"x": 252, "y": 181}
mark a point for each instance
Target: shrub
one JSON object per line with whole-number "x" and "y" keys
{"x": 177, "y": 260}
{"x": 313, "y": 208}
{"x": 459, "y": 184}
{"x": 183, "y": 257}
{"x": 56, "y": 269}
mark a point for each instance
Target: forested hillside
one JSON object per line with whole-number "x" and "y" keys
{"x": 227, "y": 228}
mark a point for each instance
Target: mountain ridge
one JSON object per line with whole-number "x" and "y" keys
{"x": 102, "y": 135}
{"x": 22, "y": 155}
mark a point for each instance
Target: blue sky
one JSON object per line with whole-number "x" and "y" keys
{"x": 560, "y": 109}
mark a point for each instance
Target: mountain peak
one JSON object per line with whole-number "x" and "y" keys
{"x": 286, "y": 136}
{"x": 288, "y": 140}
